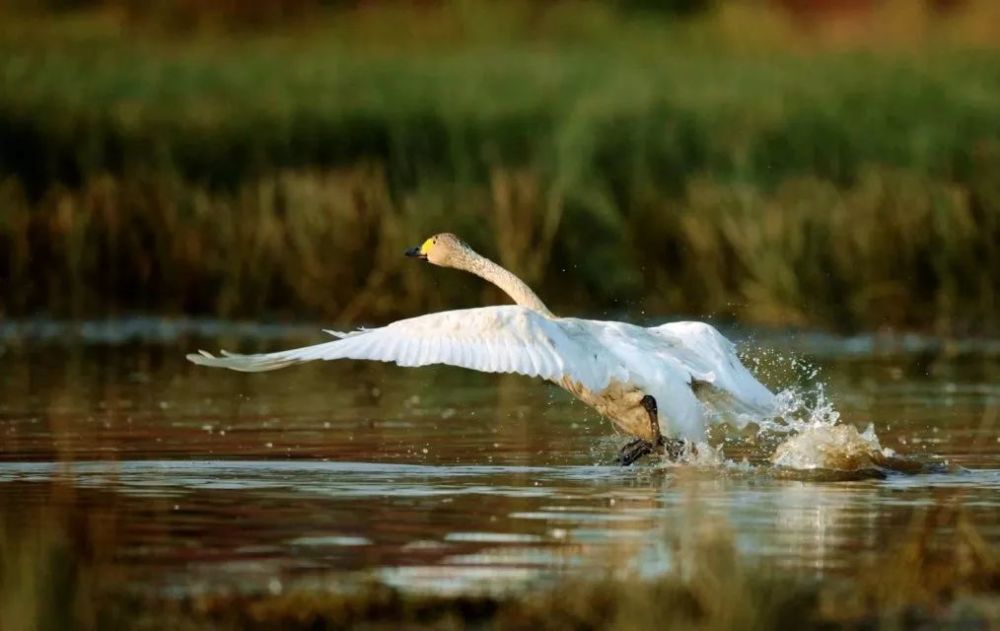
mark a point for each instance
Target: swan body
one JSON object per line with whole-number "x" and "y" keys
{"x": 690, "y": 369}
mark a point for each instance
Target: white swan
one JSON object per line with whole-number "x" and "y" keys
{"x": 674, "y": 376}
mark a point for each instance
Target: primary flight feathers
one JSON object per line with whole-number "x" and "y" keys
{"x": 508, "y": 339}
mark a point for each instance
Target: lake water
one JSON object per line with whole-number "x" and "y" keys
{"x": 446, "y": 480}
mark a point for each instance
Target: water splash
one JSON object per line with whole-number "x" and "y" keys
{"x": 804, "y": 437}
{"x": 806, "y": 432}
{"x": 802, "y": 403}
{"x": 833, "y": 447}
{"x": 701, "y": 455}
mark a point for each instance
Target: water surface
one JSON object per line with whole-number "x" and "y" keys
{"x": 442, "y": 479}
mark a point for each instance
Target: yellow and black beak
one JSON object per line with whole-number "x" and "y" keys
{"x": 415, "y": 252}
{"x": 421, "y": 252}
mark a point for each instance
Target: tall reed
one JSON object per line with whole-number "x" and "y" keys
{"x": 893, "y": 249}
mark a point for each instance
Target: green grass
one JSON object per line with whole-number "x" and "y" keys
{"x": 616, "y": 164}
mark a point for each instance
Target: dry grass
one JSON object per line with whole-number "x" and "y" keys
{"x": 917, "y": 582}
{"x": 51, "y": 569}
{"x": 618, "y": 162}
{"x": 892, "y": 249}
{"x": 54, "y": 565}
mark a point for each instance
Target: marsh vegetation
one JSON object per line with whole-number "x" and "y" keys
{"x": 614, "y": 161}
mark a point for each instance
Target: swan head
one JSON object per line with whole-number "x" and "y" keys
{"x": 444, "y": 249}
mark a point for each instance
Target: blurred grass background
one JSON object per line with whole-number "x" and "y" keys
{"x": 797, "y": 163}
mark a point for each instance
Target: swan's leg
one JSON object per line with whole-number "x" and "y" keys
{"x": 672, "y": 447}
{"x": 640, "y": 447}
{"x": 649, "y": 404}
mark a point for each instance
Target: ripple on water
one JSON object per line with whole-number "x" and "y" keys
{"x": 486, "y": 481}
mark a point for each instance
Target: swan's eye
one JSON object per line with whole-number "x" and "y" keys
{"x": 426, "y": 247}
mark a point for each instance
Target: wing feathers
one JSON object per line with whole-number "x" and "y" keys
{"x": 490, "y": 339}
{"x": 715, "y": 371}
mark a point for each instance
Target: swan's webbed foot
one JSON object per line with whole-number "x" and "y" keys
{"x": 673, "y": 448}
{"x": 634, "y": 450}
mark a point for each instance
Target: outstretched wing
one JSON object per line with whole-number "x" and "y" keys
{"x": 509, "y": 339}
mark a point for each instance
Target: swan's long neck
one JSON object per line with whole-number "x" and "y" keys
{"x": 502, "y": 278}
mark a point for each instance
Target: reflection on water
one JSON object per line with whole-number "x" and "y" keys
{"x": 439, "y": 478}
